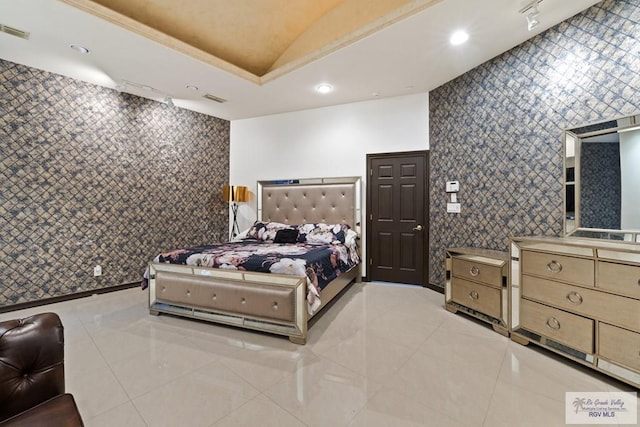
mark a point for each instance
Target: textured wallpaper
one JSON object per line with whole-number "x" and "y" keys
{"x": 92, "y": 176}
{"x": 600, "y": 183}
{"x": 498, "y": 128}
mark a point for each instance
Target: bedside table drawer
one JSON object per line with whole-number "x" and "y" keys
{"x": 566, "y": 328}
{"x": 620, "y": 345}
{"x": 488, "y": 274}
{"x": 482, "y": 298}
{"x": 559, "y": 267}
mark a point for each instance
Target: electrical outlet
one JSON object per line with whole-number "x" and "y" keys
{"x": 97, "y": 271}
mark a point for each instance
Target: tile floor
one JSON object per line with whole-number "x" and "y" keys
{"x": 383, "y": 355}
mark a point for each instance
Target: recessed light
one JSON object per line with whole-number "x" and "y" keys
{"x": 324, "y": 88}
{"x": 192, "y": 87}
{"x": 79, "y": 48}
{"x": 459, "y": 37}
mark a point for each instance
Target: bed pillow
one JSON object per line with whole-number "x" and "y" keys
{"x": 266, "y": 231}
{"x": 322, "y": 233}
{"x": 286, "y": 235}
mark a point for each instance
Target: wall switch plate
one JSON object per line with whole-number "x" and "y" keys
{"x": 97, "y": 271}
{"x": 453, "y": 207}
{"x": 453, "y": 186}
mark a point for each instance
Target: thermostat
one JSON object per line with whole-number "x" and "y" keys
{"x": 453, "y": 186}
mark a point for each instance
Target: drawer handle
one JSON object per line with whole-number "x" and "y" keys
{"x": 474, "y": 271}
{"x": 574, "y": 298}
{"x": 553, "y": 323}
{"x": 554, "y": 267}
{"x": 474, "y": 295}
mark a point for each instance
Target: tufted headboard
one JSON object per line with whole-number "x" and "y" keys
{"x": 299, "y": 201}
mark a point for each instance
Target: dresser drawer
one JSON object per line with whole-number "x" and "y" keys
{"x": 619, "y": 345}
{"x": 488, "y": 274}
{"x": 621, "y": 278}
{"x": 615, "y": 309}
{"x": 558, "y": 267}
{"x": 566, "y": 328}
{"x": 482, "y": 298}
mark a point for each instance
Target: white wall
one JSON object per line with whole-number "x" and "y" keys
{"x": 630, "y": 179}
{"x": 324, "y": 142}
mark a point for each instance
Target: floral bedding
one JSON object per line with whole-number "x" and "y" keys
{"x": 321, "y": 252}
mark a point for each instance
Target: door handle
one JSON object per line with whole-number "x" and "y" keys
{"x": 417, "y": 228}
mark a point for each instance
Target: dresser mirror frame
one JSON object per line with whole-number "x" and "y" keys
{"x": 607, "y": 132}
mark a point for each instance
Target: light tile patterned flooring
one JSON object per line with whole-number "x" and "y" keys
{"x": 383, "y": 355}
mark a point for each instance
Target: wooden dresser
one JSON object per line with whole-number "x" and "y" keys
{"x": 476, "y": 284}
{"x": 579, "y": 298}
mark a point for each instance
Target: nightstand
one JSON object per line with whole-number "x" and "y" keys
{"x": 476, "y": 284}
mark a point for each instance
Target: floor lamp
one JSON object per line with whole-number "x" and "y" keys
{"x": 235, "y": 194}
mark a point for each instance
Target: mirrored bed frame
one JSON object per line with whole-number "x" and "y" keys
{"x": 262, "y": 301}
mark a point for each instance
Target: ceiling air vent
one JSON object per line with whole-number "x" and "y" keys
{"x": 214, "y": 98}
{"x": 14, "y": 31}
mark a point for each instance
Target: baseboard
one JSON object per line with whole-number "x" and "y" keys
{"x": 436, "y": 288}
{"x": 431, "y": 286}
{"x": 52, "y": 300}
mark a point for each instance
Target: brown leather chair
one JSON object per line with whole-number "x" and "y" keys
{"x": 32, "y": 374}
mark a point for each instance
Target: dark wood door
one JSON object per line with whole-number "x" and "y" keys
{"x": 397, "y": 212}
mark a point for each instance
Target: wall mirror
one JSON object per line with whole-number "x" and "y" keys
{"x": 602, "y": 180}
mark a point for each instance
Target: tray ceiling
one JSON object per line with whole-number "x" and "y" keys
{"x": 258, "y": 40}
{"x": 267, "y": 61}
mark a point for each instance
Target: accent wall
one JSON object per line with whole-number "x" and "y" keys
{"x": 90, "y": 176}
{"x": 498, "y": 128}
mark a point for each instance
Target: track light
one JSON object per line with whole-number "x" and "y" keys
{"x": 532, "y": 18}
{"x": 531, "y": 9}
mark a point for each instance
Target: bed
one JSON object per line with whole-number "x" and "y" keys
{"x": 219, "y": 291}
